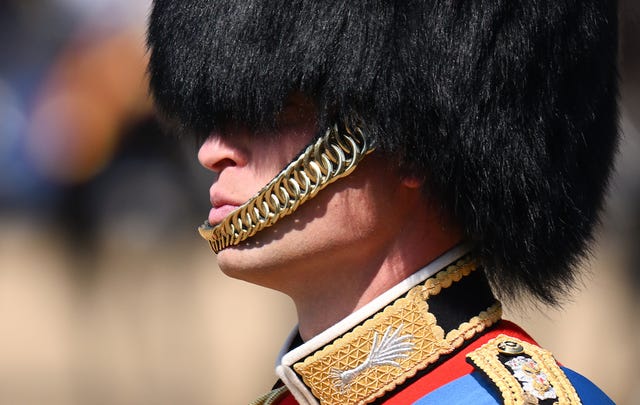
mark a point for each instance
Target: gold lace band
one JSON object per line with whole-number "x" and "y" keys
{"x": 332, "y": 156}
{"x": 272, "y": 397}
{"x": 532, "y": 376}
{"x": 394, "y": 345}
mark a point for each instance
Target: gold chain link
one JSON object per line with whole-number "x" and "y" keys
{"x": 333, "y": 156}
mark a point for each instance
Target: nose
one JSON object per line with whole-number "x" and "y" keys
{"x": 219, "y": 152}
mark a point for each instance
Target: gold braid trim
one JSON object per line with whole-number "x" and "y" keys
{"x": 333, "y": 156}
{"x": 486, "y": 358}
{"x": 271, "y": 397}
{"x": 390, "y": 347}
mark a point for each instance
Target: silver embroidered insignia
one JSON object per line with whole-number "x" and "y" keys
{"x": 392, "y": 347}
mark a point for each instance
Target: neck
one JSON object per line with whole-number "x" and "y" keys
{"x": 435, "y": 311}
{"x": 326, "y": 300}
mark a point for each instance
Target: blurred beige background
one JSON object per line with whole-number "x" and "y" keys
{"x": 107, "y": 294}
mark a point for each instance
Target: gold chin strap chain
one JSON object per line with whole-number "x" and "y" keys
{"x": 333, "y": 156}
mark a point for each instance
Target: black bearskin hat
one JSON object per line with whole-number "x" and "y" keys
{"x": 506, "y": 107}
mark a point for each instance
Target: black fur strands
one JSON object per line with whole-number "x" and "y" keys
{"x": 507, "y": 107}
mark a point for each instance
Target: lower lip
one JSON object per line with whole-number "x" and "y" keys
{"x": 217, "y": 214}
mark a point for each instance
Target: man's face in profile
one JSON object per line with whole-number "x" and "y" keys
{"x": 347, "y": 221}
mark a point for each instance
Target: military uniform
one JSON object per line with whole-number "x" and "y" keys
{"x": 436, "y": 338}
{"x": 505, "y": 112}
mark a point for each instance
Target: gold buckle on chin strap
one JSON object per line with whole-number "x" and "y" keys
{"x": 334, "y": 155}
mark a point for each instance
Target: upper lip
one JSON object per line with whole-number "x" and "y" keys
{"x": 218, "y": 200}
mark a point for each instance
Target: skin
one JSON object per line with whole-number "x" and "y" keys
{"x": 353, "y": 241}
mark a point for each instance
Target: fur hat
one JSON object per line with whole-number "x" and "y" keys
{"x": 507, "y": 108}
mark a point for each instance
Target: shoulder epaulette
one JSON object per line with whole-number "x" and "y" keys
{"x": 523, "y": 373}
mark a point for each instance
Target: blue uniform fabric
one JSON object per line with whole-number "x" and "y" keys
{"x": 475, "y": 389}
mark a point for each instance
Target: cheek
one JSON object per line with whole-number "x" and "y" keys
{"x": 350, "y": 218}
{"x": 287, "y": 143}
{"x": 370, "y": 212}
{"x": 273, "y": 157}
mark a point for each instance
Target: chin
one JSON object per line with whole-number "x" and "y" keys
{"x": 232, "y": 263}
{"x": 251, "y": 265}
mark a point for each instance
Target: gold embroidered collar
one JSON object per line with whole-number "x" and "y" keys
{"x": 383, "y": 344}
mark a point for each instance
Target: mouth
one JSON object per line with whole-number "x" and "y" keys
{"x": 222, "y": 205}
{"x": 220, "y": 212}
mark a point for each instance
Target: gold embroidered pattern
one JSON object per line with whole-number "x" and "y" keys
{"x": 546, "y": 378}
{"x": 391, "y": 346}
